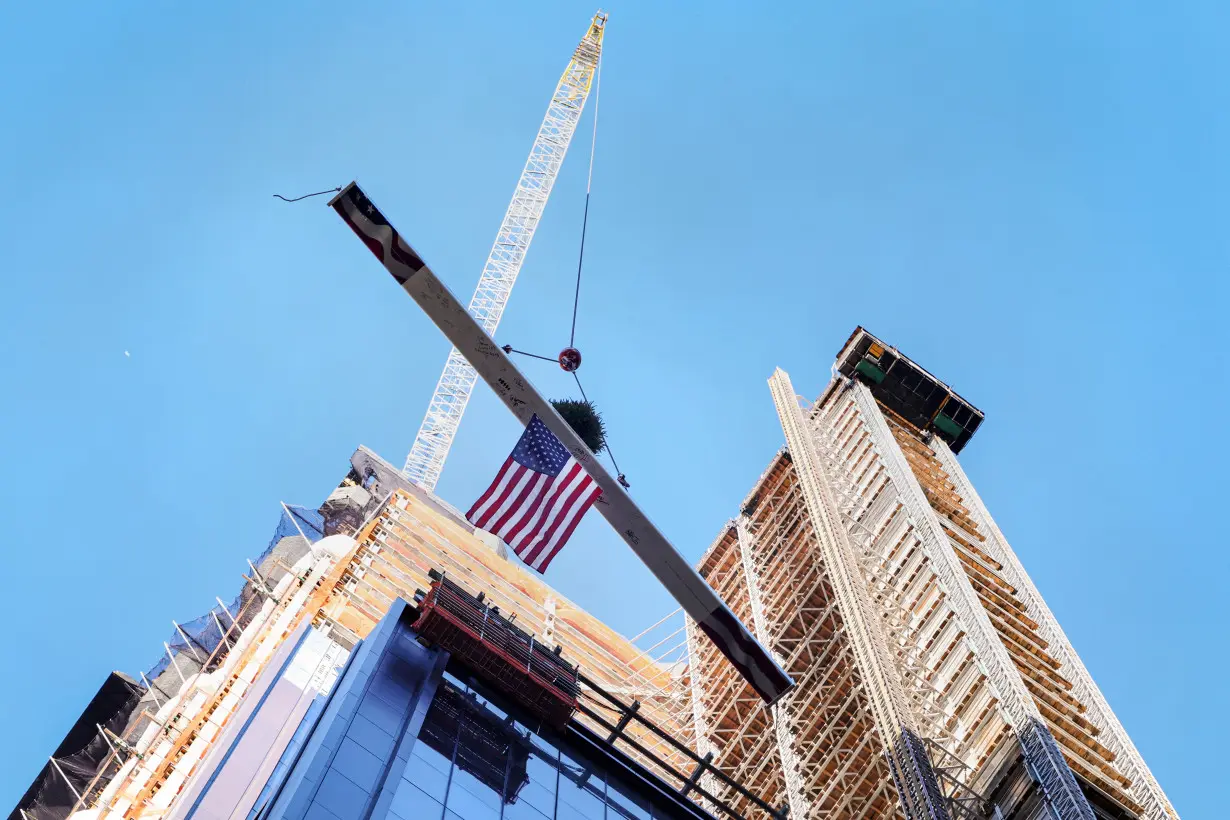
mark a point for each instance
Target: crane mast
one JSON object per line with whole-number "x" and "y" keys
{"x": 448, "y": 403}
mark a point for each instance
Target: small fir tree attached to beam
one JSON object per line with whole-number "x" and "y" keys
{"x": 584, "y": 420}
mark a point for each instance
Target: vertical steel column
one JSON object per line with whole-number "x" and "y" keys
{"x": 800, "y": 806}
{"x": 917, "y": 786}
{"x": 1038, "y": 746}
{"x": 700, "y": 724}
{"x": 1145, "y": 788}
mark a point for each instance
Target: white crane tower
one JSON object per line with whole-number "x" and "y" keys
{"x": 448, "y": 403}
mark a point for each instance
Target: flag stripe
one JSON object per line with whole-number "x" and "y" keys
{"x": 512, "y": 486}
{"x": 487, "y": 515}
{"x": 553, "y": 509}
{"x": 530, "y": 540}
{"x": 517, "y": 507}
{"x": 518, "y": 532}
{"x": 569, "y": 505}
{"x": 525, "y": 540}
{"x": 562, "y": 538}
{"x": 472, "y": 515}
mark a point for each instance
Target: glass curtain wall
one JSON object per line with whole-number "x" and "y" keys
{"x": 473, "y": 762}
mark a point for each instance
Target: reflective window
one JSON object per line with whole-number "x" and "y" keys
{"x": 409, "y": 802}
{"x": 428, "y": 770}
{"x": 472, "y": 762}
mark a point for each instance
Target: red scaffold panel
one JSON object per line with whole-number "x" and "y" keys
{"x": 505, "y": 656}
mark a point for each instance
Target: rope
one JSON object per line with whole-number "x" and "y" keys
{"x": 511, "y": 349}
{"x": 589, "y": 184}
{"x": 576, "y": 299}
{"x": 606, "y": 445}
{"x": 305, "y": 196}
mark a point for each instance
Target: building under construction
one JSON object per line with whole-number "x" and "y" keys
{"x": 932, "y": 679}
{"x": 167, "y": 746}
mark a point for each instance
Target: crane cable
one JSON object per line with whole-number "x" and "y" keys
{"x": 589, "y": 184}
{"x": 576, "y": 299}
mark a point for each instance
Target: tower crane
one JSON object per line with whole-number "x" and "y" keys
{"x": 448, "y": 403}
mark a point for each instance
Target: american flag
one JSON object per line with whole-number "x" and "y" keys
{"x": 537, "y": 498}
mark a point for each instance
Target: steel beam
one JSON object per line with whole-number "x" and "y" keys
{"x": 683, "y": 583}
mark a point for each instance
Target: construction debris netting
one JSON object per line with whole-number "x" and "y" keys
{"x": 53, "y": 793}
{"x": 83, "y": 763}
{"x": 200, "y": 643}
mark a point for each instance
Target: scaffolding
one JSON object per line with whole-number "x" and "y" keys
{"x": 407, "y": 539}
{"x": 394, "y": 535}
{"x": 932, "y": 680}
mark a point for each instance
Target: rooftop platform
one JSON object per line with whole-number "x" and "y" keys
{"x": 906, "y": 388}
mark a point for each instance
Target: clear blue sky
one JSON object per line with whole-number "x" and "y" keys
{"x": 1031, "y": 202}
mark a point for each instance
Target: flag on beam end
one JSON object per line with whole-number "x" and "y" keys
{"x": 537, "y": 498}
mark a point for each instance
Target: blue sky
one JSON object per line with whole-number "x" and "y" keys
{"x": 1031, "y": 202}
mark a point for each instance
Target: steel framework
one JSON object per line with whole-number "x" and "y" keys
{"x": 1145, "y": 787}
{"x": 1041, "y": 752}
{"x": 930, "y": 676}
{"x": 895, "y": 720}
{"x": 448, "y": 403}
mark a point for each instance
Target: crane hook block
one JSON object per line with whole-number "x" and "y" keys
{"x": 570, "y": 359}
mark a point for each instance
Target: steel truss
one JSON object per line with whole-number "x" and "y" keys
{"x": 971, "y": 658}
{"x": 512, "y": 241}
{"x": 937, "y": 668}
{"x": 1060, "y": 709}
{"x": 1145, "y": 788}
{"x": 795, "y": 792}
{"x": 738, "y": 728}
{"x": 1039, "y": 748}
{"x": 823, "y": 728}
{"x": 890, "y": 707}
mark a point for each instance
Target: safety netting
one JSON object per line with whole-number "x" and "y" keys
{"x": 203, "y": 642}
{"x": 80, "y": 759}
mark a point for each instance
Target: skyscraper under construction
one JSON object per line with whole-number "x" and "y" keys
{"x": 933, "y": 681}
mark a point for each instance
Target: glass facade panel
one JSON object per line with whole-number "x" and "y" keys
{"x": 540, "y": 796}
{"x": 448, "y": 753}
{"x": 622, "y": 806}
{"x": 473, "y": 799}
{"x": 582, "y": 792}
{"x": 410, "y": 803}
{"x": 428, "y": 770}
{"x": 520, "y": 810}
{"x": 577, "y": 802}
{"x": 502, "y": 770}
{"x": 541, "y": 773}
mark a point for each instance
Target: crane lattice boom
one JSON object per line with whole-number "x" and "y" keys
{"x": 448, "y": 403}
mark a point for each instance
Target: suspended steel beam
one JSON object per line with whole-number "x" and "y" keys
{"x": 698, "y": 600}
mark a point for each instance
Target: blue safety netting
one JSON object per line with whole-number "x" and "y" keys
{"x": 198, "y": 639}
